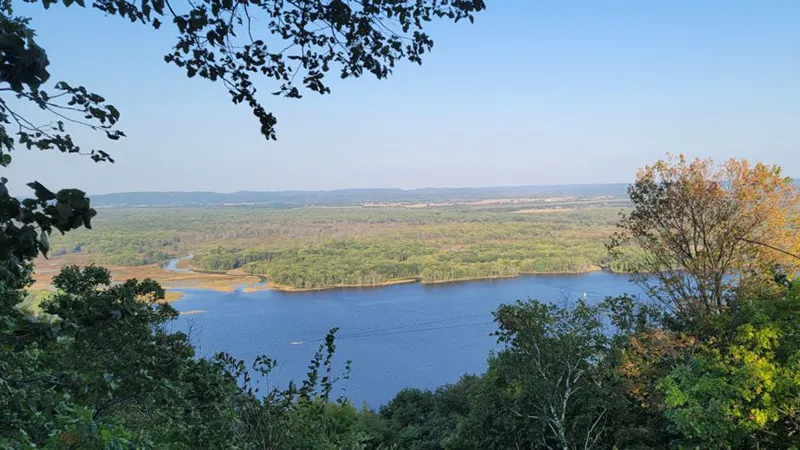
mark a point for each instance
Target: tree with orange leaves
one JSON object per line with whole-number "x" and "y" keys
{"x": 704, "y": 232}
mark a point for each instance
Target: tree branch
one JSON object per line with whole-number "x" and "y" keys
{"x": 771, "y": 247}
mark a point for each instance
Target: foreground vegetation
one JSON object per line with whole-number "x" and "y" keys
{"x": 100, "y": 370}
{"x": 311, "y": 248}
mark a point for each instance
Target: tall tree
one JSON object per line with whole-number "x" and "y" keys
{"x": 546, "y": 388}
{"x": 701, "y": 230}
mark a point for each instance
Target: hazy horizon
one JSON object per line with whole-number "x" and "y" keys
{"x": 355, "y": 188}
{"x": 531, "y": 94}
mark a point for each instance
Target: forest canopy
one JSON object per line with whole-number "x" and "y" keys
{"x": 324, "y": 247}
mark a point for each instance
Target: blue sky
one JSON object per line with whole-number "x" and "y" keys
{"x": 532, "y": 93}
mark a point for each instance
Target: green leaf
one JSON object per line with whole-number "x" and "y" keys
{"x": 44, "y": 244}
{"x": 41, "y": 192}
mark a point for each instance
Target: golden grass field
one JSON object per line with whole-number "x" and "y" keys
{"x": 46, "y": 269}
{"x": 229, "y": 281}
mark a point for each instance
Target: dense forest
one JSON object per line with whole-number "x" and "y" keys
{"x": 322, "y": 247}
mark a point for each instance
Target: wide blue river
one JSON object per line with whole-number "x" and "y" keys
{"x": 399, "y": 336}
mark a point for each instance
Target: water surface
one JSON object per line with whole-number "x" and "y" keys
{"x": 410, "y": 335}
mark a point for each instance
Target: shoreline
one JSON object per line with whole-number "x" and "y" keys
{"x": 518, "y": 275}
{"x": 285, "y": 288}
{"x": 188, "y": 277}
{"x": 270, "y": 286}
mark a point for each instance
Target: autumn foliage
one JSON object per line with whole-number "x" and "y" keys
{"x": 702, "y": 230}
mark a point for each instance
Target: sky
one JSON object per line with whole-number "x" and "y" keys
{"x": 531, "y": 93}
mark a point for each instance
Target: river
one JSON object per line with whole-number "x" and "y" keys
{"x": 410, "y": 335}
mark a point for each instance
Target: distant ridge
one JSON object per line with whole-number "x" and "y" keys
{"x": 343, "y": 197}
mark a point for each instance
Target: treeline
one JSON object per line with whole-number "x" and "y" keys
{"x": 320, "y": 247}
{"x": 431, "y": 253}
{"x": 379, "y": 260}
{"x": 124, "y": 249}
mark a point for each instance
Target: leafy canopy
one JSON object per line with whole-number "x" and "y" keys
{"x": 293, "y": 43}
{"x": 106, "y": 372}
{"x": 702, "y": 230}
